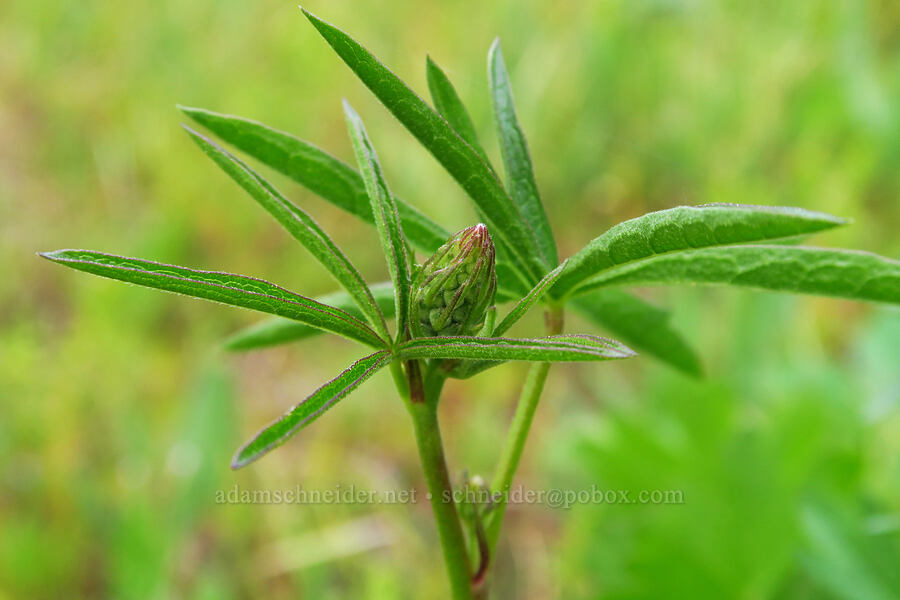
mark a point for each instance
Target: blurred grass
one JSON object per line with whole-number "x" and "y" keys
{"x": 120, "y": 412}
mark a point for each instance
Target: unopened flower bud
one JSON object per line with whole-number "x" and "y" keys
{"x": 455, "y": 287}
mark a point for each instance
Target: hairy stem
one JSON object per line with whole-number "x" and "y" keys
{"x": 518, "y": 432}
{"x": 437, "y": 479}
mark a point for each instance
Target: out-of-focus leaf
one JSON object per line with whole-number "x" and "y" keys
{"x": 301, "y": 226}
{"x": 525, "y": 304}
{"x": 687, "y": 228}
{"x": 237, "y": 290}
{"x": 277, "y": 330}
{"x": 310, "y": 409}
{"x": 315, "y": 169}
{"x": 640, "y": 325}
{"x": 846, "y": 564}
{"x": 560, "y": 348}
{"x": 387, "y": 221}
{"x": 439, "y": 138}
{"x": 799, "y": 269}
{"x": 520, "y": 180}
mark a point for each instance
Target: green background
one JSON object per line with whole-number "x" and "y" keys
{"x": 120, "y": 411}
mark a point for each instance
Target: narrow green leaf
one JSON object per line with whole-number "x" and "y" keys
{"x": 560, "y": 348}
{"x": 516, "y": 159}
{"x": 270, "y": 332}
{"x": 454, "y": 111}
{"x": 525, "y": 304}
{"x": 301, "y": 226}
{"x": 457, "y": 157}
{"x": 387, "y": 221}
{"x": 318, "y": 171}
{"x": 450, "y": 106}
{"x": 237, "y": 290}
{"x": 275, "y": 331}
{"x": 799, "y": 269}
{"x": 640, "y": 325}
{"x": 336, "y": 182}
{"x": 687, "y": 228}
{"x": 310, "y": 409}
{"x": 843, "y": 556}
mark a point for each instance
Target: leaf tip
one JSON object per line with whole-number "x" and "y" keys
{"x": 190, "y": 130}
{"x": 53, "y": 255}
{"x": 495, "y": 47}
{"x": 241, "y": 459}
{"x": 233, "y": 344}
{"x": 349, "y": 111}
{"x": 201, "y": 140}
{"x": 316, "y": 21}
{"x": 191, "y": 111}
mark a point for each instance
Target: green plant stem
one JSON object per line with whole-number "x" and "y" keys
{"x": 518, "y": 432}
{"x": 440, "y": 490}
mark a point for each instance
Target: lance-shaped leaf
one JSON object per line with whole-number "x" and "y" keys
{"x": 316, "y": 170}
{"x": 525, "y": 304}
{"x": 301, "y": 226}
{"x": 334, "y": 181}
{"x": 799, "y": 269}
{"x": 439, "y": 138}
{"x": 559, "y": 348}
{"x": 450, "y": 106}
{"x": 687, "y": 228}
{"x": 310, "y": 409}
{"x": 237, "y": 290}
{"x": 516, "y": 159}
{"x": 639, "y": 324}
{"x": 277, "y": 330}
{"x": 387, "y": 221}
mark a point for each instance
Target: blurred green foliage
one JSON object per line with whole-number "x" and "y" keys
{"x": 120, "y": 411}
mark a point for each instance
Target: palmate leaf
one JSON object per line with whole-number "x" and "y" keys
{"x": 799, "y": 269}
{"x": 686, "y": 228}
{"x": 639, "y": 324}
{"x": 310, "y": 408}
{"x": 439, "y": 138}
{"x": 237, "y": 290}
{"x": 277, "y": 330}
{"x": 516, "y": 159}
{"x": 559, "y": 348}
{"x": 301, "y": 226}
{"x": 387, "y": 221}
{"x": 334, "y": 181}
{"x": 318, "y": 171}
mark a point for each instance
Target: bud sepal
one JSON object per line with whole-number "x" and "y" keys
{"x": 455, "y": 286}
